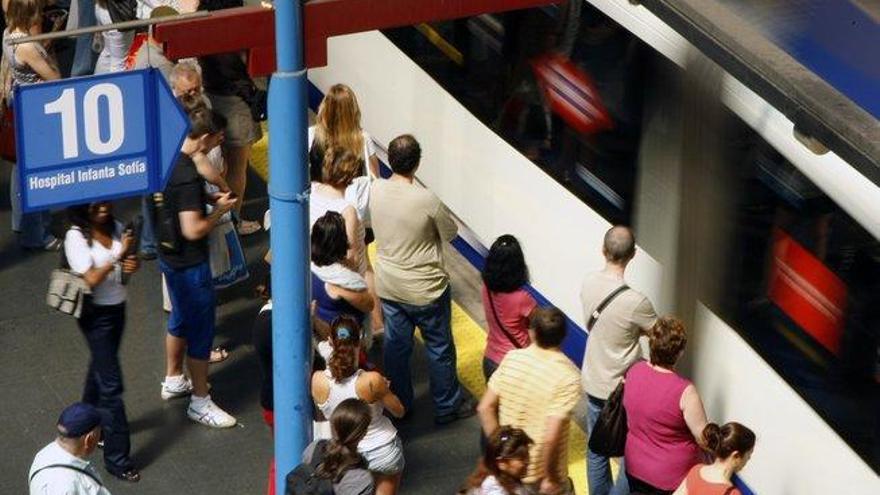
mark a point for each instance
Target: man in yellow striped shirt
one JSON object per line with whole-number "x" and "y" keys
{"x": 535, "y": 389}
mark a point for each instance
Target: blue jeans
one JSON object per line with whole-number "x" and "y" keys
{"x": 434, "y": 321}
{"x": 148, "y": 236}
{"x": 193, "y": 304}
{"x": 102, "y": 327}
{"x": 84, "y": 57}
{"x": 598, "y": 467}
{"x": 32, "y": 228}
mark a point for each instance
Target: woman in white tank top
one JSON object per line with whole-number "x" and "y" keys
{"x": 342, "y": 380}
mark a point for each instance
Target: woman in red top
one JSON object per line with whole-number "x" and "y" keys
{"x": 505, "y": 301}
{"x": 731, "y": 446}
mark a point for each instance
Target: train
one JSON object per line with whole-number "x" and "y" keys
{"x": 763, "y": 241}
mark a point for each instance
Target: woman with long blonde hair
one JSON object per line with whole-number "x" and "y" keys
{"x": 339, "y": 125}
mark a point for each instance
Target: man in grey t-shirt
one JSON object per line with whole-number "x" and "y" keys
{"x": 613, "y": 343}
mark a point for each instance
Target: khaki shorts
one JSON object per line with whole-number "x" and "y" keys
{"x": 241, "y": 130}
{"x": 567, "y": 488}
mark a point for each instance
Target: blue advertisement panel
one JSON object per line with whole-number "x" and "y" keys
{"x": 100, "y": 137}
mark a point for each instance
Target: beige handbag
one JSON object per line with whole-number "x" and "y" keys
{"x": 67, "y": 290}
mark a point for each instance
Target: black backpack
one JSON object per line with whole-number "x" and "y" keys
{"x": 304, "y": 479}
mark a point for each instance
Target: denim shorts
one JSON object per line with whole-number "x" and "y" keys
{"x": 386, "y": 459}
{"x": 192, "y": 307}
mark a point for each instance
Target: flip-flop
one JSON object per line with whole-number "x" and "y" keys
{"x": 221, "y": 353}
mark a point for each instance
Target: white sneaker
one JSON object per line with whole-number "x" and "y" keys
{"x": 204, "y": 411}
{"x": 177, "y": 386}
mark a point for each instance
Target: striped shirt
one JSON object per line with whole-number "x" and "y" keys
{"x": 533, "y": 384}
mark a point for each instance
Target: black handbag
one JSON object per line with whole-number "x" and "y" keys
{"x": 608, "y": 437}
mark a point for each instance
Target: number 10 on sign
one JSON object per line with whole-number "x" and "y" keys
{"x": 65, "y": 105}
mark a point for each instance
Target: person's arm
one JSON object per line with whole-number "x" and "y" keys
{"x": 194, "y": 225}
{"x": 352, "y": 226}
{"x": 208, "y": 171}
{"x": 644, "y": 316}
{"x": 487, "y": 410}
{"x": 554, "y": 430}
{"x": 682, "y": 488}
{"x": 374, "y": 166}
{"x": 694, "y": 413}
{"x": 77, "y": 251}
{"x": 360, "y": 299}
{"x": 446, "y": 226}
{"x": 27, "y": 53}
{"x": 566, "y": 395}
{"x": 380, "y": 391}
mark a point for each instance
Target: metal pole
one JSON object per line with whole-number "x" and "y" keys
{"x": 121, "y": 26}
{"x": 289, "y": 201}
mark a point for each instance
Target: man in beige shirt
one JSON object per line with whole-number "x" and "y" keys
{"x": 411, "y": 225}
{"x": 613, "y": 342}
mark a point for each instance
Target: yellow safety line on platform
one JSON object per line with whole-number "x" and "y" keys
{"x": 470, "y": 341}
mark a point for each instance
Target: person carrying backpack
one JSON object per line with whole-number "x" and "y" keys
{"x": 334, "y": 467}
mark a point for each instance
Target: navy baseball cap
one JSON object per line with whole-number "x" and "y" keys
{"x": 78, "y": 419}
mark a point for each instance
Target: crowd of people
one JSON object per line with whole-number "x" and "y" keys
{"x": 193, "y": 228}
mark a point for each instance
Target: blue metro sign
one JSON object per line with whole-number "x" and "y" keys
{"x": 92, "y": 138}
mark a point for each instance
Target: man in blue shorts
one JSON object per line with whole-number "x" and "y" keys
{"x": 183, "y": 225}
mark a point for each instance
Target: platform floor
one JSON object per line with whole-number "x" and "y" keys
{"x": 43, "y": 359}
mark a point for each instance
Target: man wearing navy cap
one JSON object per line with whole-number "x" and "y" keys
{"x": 61, "y": 467}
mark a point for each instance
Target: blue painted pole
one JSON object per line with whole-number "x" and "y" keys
{"x": 288, "y": 199}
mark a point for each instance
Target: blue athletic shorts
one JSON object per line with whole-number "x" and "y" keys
{"x": 192, "y": 307}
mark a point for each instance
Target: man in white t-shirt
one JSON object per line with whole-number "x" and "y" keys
{"x": 613, "y": 343}
{"x": 61, "y": 467}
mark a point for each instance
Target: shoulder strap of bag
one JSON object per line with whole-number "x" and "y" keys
{"x": 66, "y": 466}
{"x": 602, "y": 305}
{"x": 498, "y": 321}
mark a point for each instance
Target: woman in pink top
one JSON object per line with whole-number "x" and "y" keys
{"x": 664, "y": 414}
{"x": 505, "y": 301}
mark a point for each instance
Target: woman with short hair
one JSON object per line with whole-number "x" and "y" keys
{"x": 506, "y": 302}
{"x": 665, "y": 415}
{"x": 342, "y": 380}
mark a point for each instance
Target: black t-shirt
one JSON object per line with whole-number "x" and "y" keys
{"x": 186, "y": 192}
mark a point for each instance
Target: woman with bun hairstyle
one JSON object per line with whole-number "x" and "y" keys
{"x": 503, "y": 465}
{"x": 664, "y": 412}
{"x": 342, "y": 380}
{"x": 731, "y": 446}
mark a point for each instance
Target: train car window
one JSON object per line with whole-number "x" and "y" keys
{"x": 564, "y": 85}
{"x": 804, "y": 290}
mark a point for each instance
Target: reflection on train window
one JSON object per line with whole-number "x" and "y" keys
{"x": 565, "y": 85}
{"x": 804, "y": 290}
{"x": 562, "y": 84}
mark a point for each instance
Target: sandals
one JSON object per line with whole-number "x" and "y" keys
{"x": 218, "y": 355}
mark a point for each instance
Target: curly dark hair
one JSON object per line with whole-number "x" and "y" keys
{"x": 667, "y": 338}
{"x": 505, "y": 269}
{"x": 345, "y": 334}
